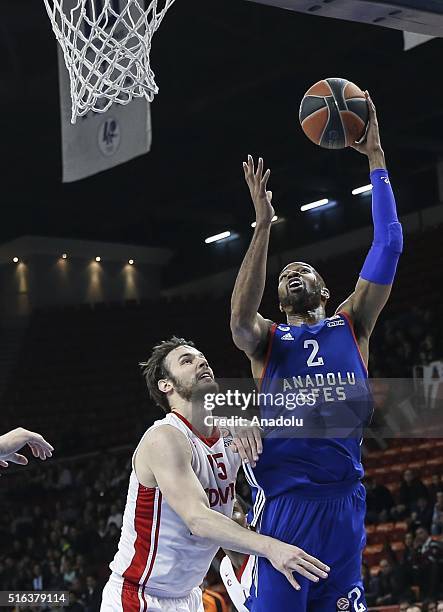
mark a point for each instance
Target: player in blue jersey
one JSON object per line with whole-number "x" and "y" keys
{"x": 307, "y": 479}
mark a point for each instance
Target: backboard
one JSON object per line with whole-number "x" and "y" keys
{"x": 419, "y": 16}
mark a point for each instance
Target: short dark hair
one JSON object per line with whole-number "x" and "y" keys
{"x": 155, "y": 369}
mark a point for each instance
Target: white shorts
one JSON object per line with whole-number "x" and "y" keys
{"x": 119, "y": 598}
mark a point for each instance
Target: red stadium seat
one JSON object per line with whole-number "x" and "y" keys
{"x": 435, "y": 452}
{"x": 374, "y": 549}
{"x": 429, "y": 470}
{"x": 422, "y": 454}
{"x": 376, "y": 454}
{"x": 425, "y": 446}
{"x": 385, "y": 528}
{"x": 386, "y": 460}
{"x": 399, "y": 467}
{"x": 406, "y": 449}
{"x": 397, "y": 546}
{"x": 397, "y": 443}
{"x": 381, "y": 472}
{"x": 401, "y": 527}
{"x": 392, "y": 477}
{"x": 436, "y": 461}
{"x": 390, "y": 456}
{"x": 405, "y": 456}
{"x": 378, "y": 537}
{"x": 396, "y": 472}
{"x": 373, "y": 554}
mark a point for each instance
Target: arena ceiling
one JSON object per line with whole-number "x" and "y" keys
{"x": 231, "y": 76}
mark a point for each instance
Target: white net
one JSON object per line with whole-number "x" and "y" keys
{"x": 106, "y": 46}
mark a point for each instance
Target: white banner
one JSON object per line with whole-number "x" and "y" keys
{"x": 412, "y": 40}
{"x": 99, "y": 141}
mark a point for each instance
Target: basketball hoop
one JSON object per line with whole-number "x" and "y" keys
{"x": 106, "y": 46}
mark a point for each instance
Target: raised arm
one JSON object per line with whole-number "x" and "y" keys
{"x": 166, "y": 453}
{"x": 249, "y": 328}
{"x": 377, "y": 276}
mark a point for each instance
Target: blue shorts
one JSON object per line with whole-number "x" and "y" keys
{"x": 333, "y": 531}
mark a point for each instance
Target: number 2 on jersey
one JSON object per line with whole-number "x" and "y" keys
{"x": 359, "y": 606}
{"x": 315, "y": 348}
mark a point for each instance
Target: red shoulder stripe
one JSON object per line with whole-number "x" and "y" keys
{"x": 268, "y": 353}
{"x": 351, "y": 327}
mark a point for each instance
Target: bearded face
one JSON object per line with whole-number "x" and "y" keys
{"x": 190, "y": 373}
{"x": 300, "y": 288}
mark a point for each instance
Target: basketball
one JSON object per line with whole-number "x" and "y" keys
{"x": 334, "y": 113}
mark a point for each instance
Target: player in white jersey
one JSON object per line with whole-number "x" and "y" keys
{"x": 180, "y": 498}
{"x": 237, "y": 570}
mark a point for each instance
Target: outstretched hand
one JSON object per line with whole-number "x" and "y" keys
{"x": 288, "y": 559}
{"x": 370, "y": 143}
{"x": 247, "y": 442}
{"x": 16, "y": 439}
{"x": 257, "y": 183}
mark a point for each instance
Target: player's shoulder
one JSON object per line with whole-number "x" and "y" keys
{"x": 169, "y": 423}
{"x": 162, "y": 449}
{"x": 267, "y": 327}
{"x": 166, "y": 439}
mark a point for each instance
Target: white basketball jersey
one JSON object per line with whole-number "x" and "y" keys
{"x": 238, "y": 584}
{"x": 157, "y": 553}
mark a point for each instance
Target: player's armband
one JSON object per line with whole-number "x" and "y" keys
{"x": 381, "y": 262}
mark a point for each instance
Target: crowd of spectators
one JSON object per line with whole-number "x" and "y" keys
{"x": 409, "y": 339}
{"x": 422, "y": 505}
{"x": 420, "y": 562}
{"x": 60, "y": 527}
{"x": 67, "y": 532}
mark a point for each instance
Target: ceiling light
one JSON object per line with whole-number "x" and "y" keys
{"x": 316, "y": 204}
{"x": 217, "y": 237}
{"x": 15, "y": 259}
{"x": 98, "y": 259}
{"x": 131, "y": 262}
{"x": 364, "y": 189}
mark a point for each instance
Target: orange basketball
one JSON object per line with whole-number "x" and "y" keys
{"x": 334, "y": 113}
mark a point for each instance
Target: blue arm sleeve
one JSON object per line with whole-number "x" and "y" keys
{"x": 381, "y": 262}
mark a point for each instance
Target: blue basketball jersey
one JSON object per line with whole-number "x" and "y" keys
{"x": 315, "y": 402}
